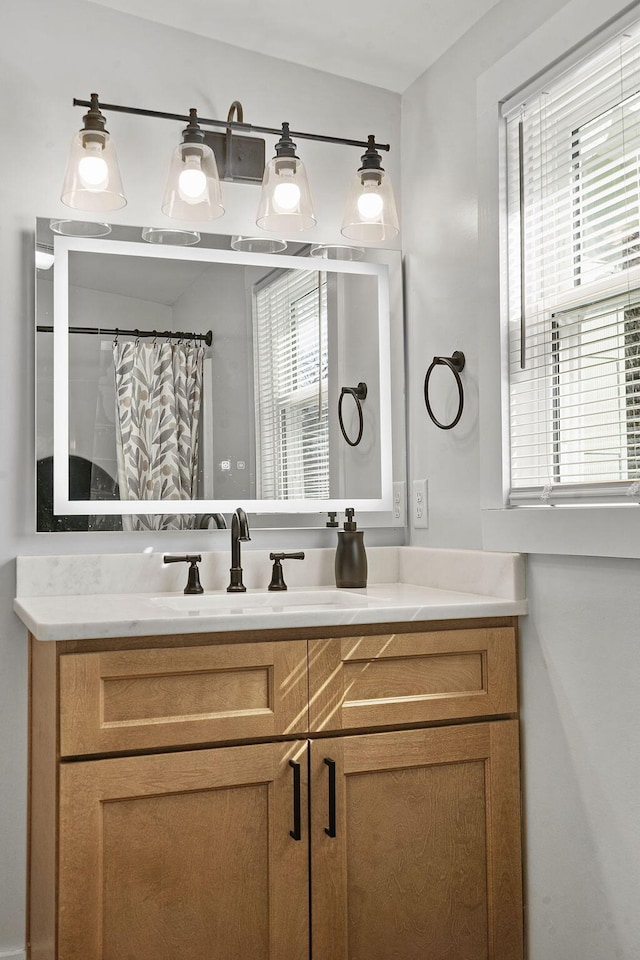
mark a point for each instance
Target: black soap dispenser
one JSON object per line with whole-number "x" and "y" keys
{"x": 351, "y": 557}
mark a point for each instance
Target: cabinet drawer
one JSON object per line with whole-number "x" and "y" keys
{"x": 147, "y": 699}
{"x": 409, "y": 678}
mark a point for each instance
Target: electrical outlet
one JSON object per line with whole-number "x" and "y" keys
{"x": 420, "y": 504}
{"x": 400, "y": 503}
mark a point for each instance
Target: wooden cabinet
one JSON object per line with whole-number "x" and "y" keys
{"x": 300, "y": 795}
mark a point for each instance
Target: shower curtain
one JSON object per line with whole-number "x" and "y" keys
{"x": 158, "y": 396}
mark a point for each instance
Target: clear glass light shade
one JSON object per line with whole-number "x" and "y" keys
{"x": 92, "y": 180}
{"x": 258, "y": 244}
{"x": 336, "y": 251}
{"x": 79, "y": 228}
{"x": 370, "y": 214}
{"x": 285, "y": 202}
{"x": 171, "y": 235}
{"x": 193, "y": 185}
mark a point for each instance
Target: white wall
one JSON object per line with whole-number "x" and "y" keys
{"x": 50, "y": 53}
{"x": 580, "y": 657}
{"x": 359, "y": 353}
{"x": 580, "y": 670}
{"x": 217, "y": 301}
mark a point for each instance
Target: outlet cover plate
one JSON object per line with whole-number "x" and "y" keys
{"x": 420, "y": 504}
{"x": 400, "y": 504}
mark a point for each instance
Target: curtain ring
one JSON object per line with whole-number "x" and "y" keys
{"x": 358, "y": 393}
{"x": 455, "y": 363}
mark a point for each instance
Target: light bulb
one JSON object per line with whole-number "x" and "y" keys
{"x": 192, "y": 182}
{"x": 286, "y": 196}
{"x": 93, "y": 169}
{"x": 370, "y": 205}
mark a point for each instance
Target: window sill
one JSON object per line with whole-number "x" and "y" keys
{"x": 589, "y": 531}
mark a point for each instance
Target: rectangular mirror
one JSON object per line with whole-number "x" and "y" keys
{"x": 234, "y": 378}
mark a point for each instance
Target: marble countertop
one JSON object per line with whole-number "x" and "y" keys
{"x": 451, "y": 585}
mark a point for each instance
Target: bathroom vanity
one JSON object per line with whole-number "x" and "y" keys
{"x": 295, "y": 784}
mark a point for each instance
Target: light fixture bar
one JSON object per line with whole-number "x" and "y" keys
{"x": 231, "y": 124}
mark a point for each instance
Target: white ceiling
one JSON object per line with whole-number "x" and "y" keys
{"x": 388, "y": 43}
{"x": 141, "y": 278}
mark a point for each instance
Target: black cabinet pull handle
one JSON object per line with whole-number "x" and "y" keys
{"x": 331, "y": 829}
{"x": 296, "y": 833}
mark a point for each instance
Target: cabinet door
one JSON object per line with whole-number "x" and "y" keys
{"x": 425, "y": 861}
{"x": 185, "y": 855}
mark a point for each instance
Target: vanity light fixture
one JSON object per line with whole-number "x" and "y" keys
{"x": 92, "y": 180}
{"x": 193, "y": 190}
{"x": 370, "y": 214}
{"x": 285, "y": 202}
{"x": 193, "y": 185}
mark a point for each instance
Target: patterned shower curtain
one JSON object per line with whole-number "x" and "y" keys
{"x": 158, "y": 395}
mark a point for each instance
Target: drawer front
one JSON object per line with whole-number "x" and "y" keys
{"x": 398, "y": 679}
{"x": 146, "y": 699}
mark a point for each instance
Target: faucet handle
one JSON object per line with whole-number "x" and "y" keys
{"x": 193, "y": 575}
{"x": 277, "y": 578}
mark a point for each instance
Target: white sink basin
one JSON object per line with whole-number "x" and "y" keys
{"x": 244, "y": 603}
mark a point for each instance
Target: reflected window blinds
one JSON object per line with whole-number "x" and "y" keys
{"x": 573, "y": 231}
{"x": 291, "y": 370}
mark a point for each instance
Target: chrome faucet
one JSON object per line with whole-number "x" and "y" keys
{"x": 239, "y": 532}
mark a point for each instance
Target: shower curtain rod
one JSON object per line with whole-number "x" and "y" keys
{"x": 140, "y": 334}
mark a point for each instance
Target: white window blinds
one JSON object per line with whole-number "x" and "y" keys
{"x": 573, "y": 200}
{"x": 291, "y": 368}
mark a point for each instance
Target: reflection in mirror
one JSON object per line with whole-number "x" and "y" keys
{"x": 220, "y": 386}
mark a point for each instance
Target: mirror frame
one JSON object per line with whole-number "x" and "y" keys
{"x": 63, "y": 246}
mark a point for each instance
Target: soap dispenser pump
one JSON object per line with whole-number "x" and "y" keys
{"x": 351, "y": 557}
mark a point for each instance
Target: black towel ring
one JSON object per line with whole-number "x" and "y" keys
{"x": 358, "y": 393}
{"x": 456, "y": 364}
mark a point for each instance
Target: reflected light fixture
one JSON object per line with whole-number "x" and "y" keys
{"x": 193, "y": 192}
{"x": 258, "y": 244}
{"x": 193, "y": 185}
{"x": 370, "y": 214}
{"x": 92, "y": 180}
{"x": 79, "y": 228}
{"x": 44, "y": 256}
{"x": 285, "y": 202}
{"x": 336, "y": 251}
{"x": 170, "y": 235}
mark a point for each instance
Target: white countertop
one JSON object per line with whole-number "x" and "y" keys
{"x": 491, "y": 585}
{"x": 136, "y": 615}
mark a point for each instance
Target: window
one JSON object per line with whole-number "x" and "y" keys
{"x": 291, "y": 370}
{"x": 573, "y": 204}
